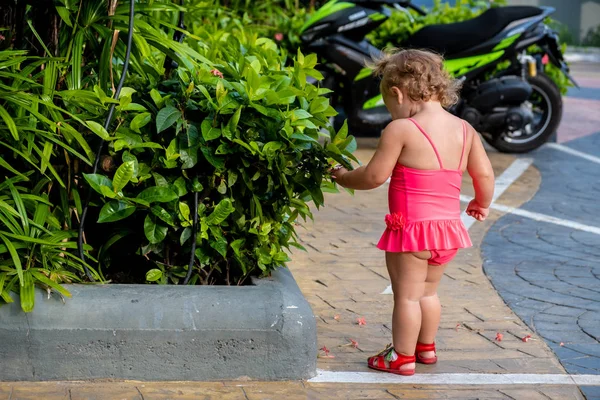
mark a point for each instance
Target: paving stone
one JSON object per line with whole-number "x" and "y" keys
{"x": 591, "y": 392}
{"x": 554, "y": 263}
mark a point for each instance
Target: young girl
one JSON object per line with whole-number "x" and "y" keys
{"x": 425, "y": 149}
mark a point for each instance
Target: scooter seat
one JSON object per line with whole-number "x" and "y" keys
{"x": 449, "y": 39}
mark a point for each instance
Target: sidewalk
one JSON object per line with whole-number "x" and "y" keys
{"x": 343, "y": 276}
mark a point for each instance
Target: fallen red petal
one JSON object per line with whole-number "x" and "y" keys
{"x": 526, "y": 338}
{"x": 354, "y": 343}
{"x": 361, "y": 321}
{"x": 499, "y": 337}
{"x": 456, "y": 327}
{"x": 562, "y": 344}
{"x": 336, "y": 317}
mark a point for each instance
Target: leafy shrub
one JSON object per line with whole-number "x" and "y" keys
{"x": 235, "y": 123}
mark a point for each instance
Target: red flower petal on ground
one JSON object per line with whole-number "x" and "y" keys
{"x": 279, "y": 36}
{"x": 354, "y": 343}
{"x": 456, "y": 327}
{"x": 326, "y": 351}
{"x": 499, "y": 337}
{"x": 562, "y": 344}
{"x": 336, "y": 317}
{"x": 526, "y": 338}
{"x": 216, "y": 72}
{"x": 394, "y": 221}
{"x": 361, "y": 321}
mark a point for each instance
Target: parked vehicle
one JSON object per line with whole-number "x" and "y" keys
{"x": 516, "y": 109}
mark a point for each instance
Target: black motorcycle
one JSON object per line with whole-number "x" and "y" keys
{"x": 516, "y": 109}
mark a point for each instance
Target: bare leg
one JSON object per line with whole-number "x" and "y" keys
{"x": 431, "y": 308}
{"x": 408, "y": 272}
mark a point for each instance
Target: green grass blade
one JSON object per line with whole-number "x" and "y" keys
{"x": 15, "y": 257}
{"x": 12, "y": 127}
{"x": 27, "y": 292}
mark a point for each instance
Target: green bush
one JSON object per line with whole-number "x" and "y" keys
{"x": 235, "y": 123}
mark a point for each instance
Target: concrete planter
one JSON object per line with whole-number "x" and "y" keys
{"x": 149, "y": 332}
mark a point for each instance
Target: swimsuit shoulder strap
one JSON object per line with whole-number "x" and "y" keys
{"x": 430, "y": 141}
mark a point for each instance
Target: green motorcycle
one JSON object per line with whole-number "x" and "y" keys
{"x": 517, "y": 109}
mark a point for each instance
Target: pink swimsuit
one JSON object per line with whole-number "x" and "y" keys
{"x": 425, "y": 210}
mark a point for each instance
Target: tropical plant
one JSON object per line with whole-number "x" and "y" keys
{"x": 223, "y": 117}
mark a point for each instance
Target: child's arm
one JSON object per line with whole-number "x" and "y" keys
{"x": 381, "y": 165}
{"x": 480, "y": 169}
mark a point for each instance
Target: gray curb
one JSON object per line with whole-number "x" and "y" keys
{"x": 148, "y": 332}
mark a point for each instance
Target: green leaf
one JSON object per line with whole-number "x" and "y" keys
{"x": 158, "y": 194}
{"x": 185, "y": 236}
{"x": 9, "y": 122}
{"x": 77, "y": 60}
{"x": 154, "y": 232}
{"x": 162, "y": 214}
{"x": 221, "y": 212}
{"x": 96, "y": 181}
{"x": 166, "y": 118}
{"x": 139, "y": 121}
{"x": 115, "y": 210}
{"x": 153, "y": 275}
{"x": 220, "y": 245}
{"x": 217, "y": 162}
{"x": 123, "y": 176}
{"x": 45, "y": 280}
{"x": 98, "y": 130}
{"x": 301, "y": 114}
{"x": 184, "y": 210}
{"x": 108, "y": 192}
{"x": 156, "y": 97}
{"x": 222, "y": 187}
{"x": 181, "y": 186}
{"x": 319, "y": 105}
{"x": 64, "y": 14}
{"x": 236, "y": 245}
{"x": 208, "y": 131}
{"x": 15, "y": 257}
{"x": 27, "y": 292}
{"x": 235, "y": 119}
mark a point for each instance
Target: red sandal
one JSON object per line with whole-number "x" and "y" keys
{"x": 422, "y": 347}
{"x": 378, "y": 362}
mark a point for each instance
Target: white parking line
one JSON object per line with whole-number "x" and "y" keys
{"x": 540, "y": 217}
{"x": 574, "y": 152}
{"x": 503, "y": 182}
{"x": 455, "y": 379}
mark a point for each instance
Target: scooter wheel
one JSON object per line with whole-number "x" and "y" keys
{"x": 546, "y": 103}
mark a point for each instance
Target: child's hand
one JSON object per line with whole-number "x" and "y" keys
{"x": 337, "y": 172}
{"x": 476, "y": 211}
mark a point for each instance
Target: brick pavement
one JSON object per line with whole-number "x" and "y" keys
{"x": 343, "y": 275}
{"x": 550, "y": 275}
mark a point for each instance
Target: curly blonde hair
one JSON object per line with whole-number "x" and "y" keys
{"x": 419, "y": 74}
